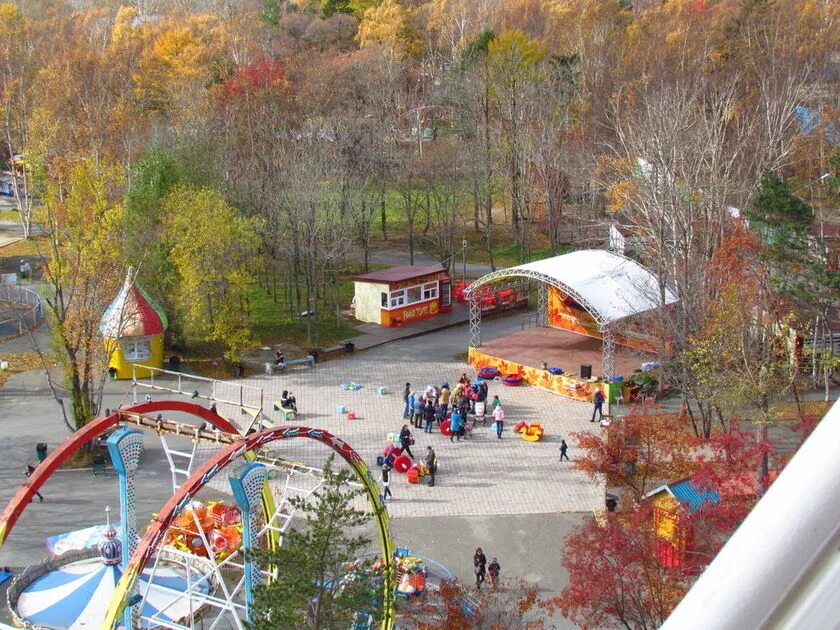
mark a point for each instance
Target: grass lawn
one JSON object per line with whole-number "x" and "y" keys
{"x": 32, "y": 247}
{"x": 271, "y": 322}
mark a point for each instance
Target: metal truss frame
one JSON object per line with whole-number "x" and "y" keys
{"x": 475, "y": 323}
{"x": 513, "y": 272}
{"x": 608, "y": 348}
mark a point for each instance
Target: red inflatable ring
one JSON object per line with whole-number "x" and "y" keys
{"x": 512, "y": 380}
{"x": 402, "y": 463}
{"x": 445, "y": 428}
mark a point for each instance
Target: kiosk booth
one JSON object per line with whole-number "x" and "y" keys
{"x": 393, "y": 297}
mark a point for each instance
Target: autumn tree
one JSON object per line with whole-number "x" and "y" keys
{"x": 634, "y": 455}
{"x": 515, "y": 71}
{"x": 81, "y": 213}
{"x": 391, "y": 24}
{"x": 616, "y": 574}
{"x": 211, "y": 251}
{"x": 17, "y": 69}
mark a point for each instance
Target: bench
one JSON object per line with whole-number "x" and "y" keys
{"x": 271, "y": 368}
{"x": 288, "y": 413}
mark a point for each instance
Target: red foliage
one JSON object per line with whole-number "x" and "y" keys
{"x": 259, "y": 77}
{"x": 646, "y": 447}
{"x": 615, "y": 577}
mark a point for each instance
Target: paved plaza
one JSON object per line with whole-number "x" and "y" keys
{"x": 480, "y": 475}
{"x": 506, "y": 495}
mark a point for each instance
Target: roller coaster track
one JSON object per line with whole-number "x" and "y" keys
{"x": 234, "y": 446}
{"x": 156, "y": 532}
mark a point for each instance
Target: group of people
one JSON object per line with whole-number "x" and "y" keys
{"x": 482, "y": 569}
{"x": 436, "y": 404}
{"x": 428, "y": 466}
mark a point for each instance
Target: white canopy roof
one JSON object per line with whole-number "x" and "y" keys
{"x": 609, "y": 286}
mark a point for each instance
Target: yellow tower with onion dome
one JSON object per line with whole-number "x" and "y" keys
{"x": 133, "y": 327}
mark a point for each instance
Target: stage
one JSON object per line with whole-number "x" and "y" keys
{"x": 524, "y": 352}
{"x": 563, "y": 349}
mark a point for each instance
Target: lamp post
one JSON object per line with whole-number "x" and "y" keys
{"x": 464, "y": 259}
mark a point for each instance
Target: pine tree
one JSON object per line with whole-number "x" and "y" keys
{"x": 321, "y": 582}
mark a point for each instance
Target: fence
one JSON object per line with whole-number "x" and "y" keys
{"x": 29, "y": 316}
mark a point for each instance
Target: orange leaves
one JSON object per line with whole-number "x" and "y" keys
{"x": 645, "y": 448}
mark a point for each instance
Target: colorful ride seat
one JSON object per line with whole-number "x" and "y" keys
{"x": 533, "y": 432}
{"x": 488, "y": 373}
{"x": 512, "y": 380}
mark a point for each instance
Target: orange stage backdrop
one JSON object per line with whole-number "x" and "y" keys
{"x": 564, "y": 313}
{"x": 564, "y": 384}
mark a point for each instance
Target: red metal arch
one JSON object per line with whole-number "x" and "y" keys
{"x": 85, "y": 435}
{"x": 156, "y": 531}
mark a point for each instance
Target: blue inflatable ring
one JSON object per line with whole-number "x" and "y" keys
{"x": 351, "y": 386}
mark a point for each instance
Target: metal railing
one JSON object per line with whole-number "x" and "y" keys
{"x": 28, "y": 317}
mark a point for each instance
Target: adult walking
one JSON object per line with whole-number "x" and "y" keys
{"x": 599, "y": 404}
{"x": 406, "y": 440}
{"x": 431, "y": 464}
{"x": 563, "y": 448}
{"x": 406, "y": 395}
{"x": 28, "y": 472}
{"x": 479, "y": 566}
{"x": 386, "y": 482}
{"x": 499, "y": 419}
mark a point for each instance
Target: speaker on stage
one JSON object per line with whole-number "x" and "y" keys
{"x": 585, "y": 371}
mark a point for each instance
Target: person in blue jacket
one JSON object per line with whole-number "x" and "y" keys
{"x": 456, "y": 422}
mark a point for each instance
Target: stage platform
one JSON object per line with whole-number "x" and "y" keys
{"x": 523, "y": 353}
{"x": 563, "y": 349}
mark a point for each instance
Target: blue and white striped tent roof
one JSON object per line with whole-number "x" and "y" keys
{"x": 77, "y": 595}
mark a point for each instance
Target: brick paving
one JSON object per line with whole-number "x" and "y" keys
{"x": 480, "y": 475}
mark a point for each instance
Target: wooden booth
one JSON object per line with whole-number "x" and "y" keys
{"x": 393, "y": 297}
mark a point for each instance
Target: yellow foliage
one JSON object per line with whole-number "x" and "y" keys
{"x": 393, "y": 25}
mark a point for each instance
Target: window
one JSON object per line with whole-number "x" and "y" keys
{"x": 137, "y": 350}
{"x": 410, "y": 295}
{"x": 430, "y": 291}
{"x": 397, "y": 299}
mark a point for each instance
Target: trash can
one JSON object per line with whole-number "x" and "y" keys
{"x": 41, "y": 451}
{"x": 349, "y": 346}
{"x": 239, "y": 370}
{"x": 175, "y": 363}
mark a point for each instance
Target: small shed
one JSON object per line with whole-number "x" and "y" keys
{"x": 398, "y": 295}
{"x": 132, "y": 328}
{"x": 670, "y": 503}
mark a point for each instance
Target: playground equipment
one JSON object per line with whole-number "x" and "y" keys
{"x": 512, "y": 380}
{"x": 73, "y": 591}
{"x": 530, "y": 432}
{"x": 265, "y": 485}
